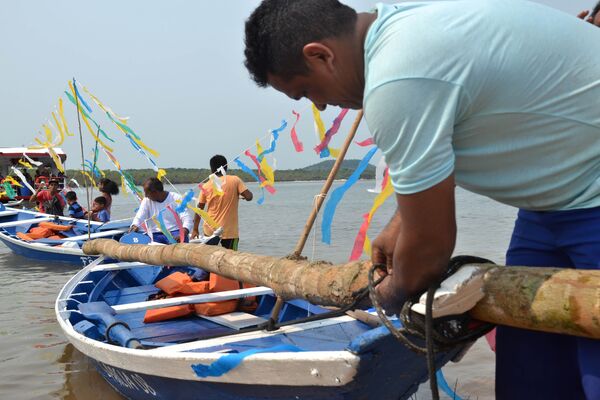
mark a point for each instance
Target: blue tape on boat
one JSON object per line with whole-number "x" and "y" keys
{"x": 230, "y": 361}
{"x": 337, "y": 194}
{"x": 442, "y": 384}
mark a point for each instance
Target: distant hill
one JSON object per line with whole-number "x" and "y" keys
{"x": 328, "y": 164}
{"x": 315, "y": 172}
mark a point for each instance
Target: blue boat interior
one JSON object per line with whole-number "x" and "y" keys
{"x": 101, "y": 289}
{"x": 80, "y": 227}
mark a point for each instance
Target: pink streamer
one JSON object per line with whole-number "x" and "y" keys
{"x": 148, "y": 231}
{"x": 335, "y": 127}
{"x": 297, "y": 144}
{"x": 366, "y": 142}
{"x": 359, "y": 242}
{"x": 254, "y": 159}
{"x": 179, "y": 224}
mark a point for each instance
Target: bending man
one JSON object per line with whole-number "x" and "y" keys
{"x": 470, "y": 93}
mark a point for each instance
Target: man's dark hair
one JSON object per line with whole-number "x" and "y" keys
{"x": 109, "y": 186}
{"x": 71, "y": 196}
{"x": 53, "y": 182}
{"x": 595, "y": 10}
{"x": 154, "y": 185}
{"x": 278, "y": 30}
{"x": 217, "y": 162}
{"x": 100, "y": 200}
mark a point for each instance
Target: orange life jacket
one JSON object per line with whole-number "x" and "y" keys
{"x": 55, "y": 227}
{"x": 181, "y": 284}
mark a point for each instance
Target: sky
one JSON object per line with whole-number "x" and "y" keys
{"x": 174, "y": 67}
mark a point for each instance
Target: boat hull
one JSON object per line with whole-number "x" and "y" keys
{"x": 46, "y": 253}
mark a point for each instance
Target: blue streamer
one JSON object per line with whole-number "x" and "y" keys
{"x": 445, "y": 387}
{"x": 87, "y": 107}
{"x": 337, "y": 194}
{"x": 72, "y": 100}
{"x": 249, "y": 171}
{"x": 230, "y": 361}
{"x": 163, "y": 228}
{"x": 189, "y": 195}
{"x": 275, "y": 133}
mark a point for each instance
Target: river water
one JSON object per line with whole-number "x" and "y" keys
{"x": 36, "y": 362}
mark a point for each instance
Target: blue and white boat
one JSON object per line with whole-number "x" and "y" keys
{"x": 313, "y": 354}
{"x": 67, "y": 249}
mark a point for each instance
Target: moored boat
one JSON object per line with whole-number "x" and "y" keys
{"x": 66, "y": 247}
{"x": 314, "y": 354}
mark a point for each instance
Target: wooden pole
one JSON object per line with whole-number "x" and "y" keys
{"x": 555, "y": 300}
{"x": 325, "y": 189}
{"x": 318, "y": 203}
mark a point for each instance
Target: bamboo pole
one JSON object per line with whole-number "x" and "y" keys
{"x": 555, "y": 300}
{"x": 325, "y": 189}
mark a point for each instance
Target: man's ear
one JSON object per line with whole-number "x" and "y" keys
{"x": 317, "y": 55}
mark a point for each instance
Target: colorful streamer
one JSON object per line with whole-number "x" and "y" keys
{"x": 12, "y": 181}
{"x": 84, "y": 116}
{"x": 263, "y": 181}
{"x": 337, "y": 194}
{"x": 205, "y": 217}
{"x": 274, "y": 137}
{"x": 297, "y": 143}
{"x": 362, "y": 240}
{"x": 22, "y": 178}
{"x": 103, "y": 107}
{"x": 26, "y": 164}
{"x": 179, "y": 224}
{"x": 249, "y": 171}
{"x": 160, "y": 222}
{"x": 335, "y": 127}
{"x": 189, "y": 196}
{"x": 161, "y": 174}
{"x": 216, "y": 185}
{"x": 9, "y": 191}
{"x": 366, "y": 142}
{"x": 265, "y": 168}
{"x": 36, "y": 163}
{"x": 81, "y": 100}
{"x": 320, "y": 128}
{"x": 56, "y": 159}
{"x": 63, "y": 120}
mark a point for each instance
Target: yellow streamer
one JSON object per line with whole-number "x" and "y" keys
{"x": 217, "y": 188}
{"x": 387, "y": 191}
{"x": 26, "y": 164}
{"x": 265, "y": 168}
{"x": 89, "y": 177}
{"x": 105, "y": 108}
{"x": 12, "y": 181}
{"x": 321, "y": 129}
{"x": 60, "y": 129}
{"x": 161, "y": 173}
{"x": 204, "y": 215}
{"x": 57, "y": 160}
{"x": 61, "y": 114}
{"x": 87, "y": 124}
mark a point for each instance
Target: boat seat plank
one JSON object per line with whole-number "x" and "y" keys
{"x": 195, "y": 299}
{"x": 24, "y": 222}
{"x": 95, "y": 235}
{"x": 120, "y": 266}
{"x": 8, "y": 213}
{"x": 129, "y": 295}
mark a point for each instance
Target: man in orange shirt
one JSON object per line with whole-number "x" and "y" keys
{"x": 223, "y": 208}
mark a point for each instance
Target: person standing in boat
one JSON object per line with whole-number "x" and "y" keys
{"x": 222, "y": 208}
{"x": 156, "y": 201}
{"x": 108, "y": 188}
{"x": 49, "y": 200}
{"x": 470, "y": 93}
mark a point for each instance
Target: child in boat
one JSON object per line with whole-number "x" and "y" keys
{"x": 99, "y": 212}
{"x": 75, "y": 210}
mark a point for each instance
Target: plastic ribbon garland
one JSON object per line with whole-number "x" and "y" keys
{"x": 294, "y": 135}
{"x": 338, "y": 194}
{"x": 335, "y": 127}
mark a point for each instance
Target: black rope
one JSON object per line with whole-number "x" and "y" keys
{"x": 441, "y": 334}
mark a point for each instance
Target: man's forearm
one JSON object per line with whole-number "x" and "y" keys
{"x": 196, "y": 222}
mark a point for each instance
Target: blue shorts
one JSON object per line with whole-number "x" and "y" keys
{"x": 159, "y": 237}
{"x": 536, "y": 365}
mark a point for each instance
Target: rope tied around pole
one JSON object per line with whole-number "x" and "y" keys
{"x": 441, "y": 334}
